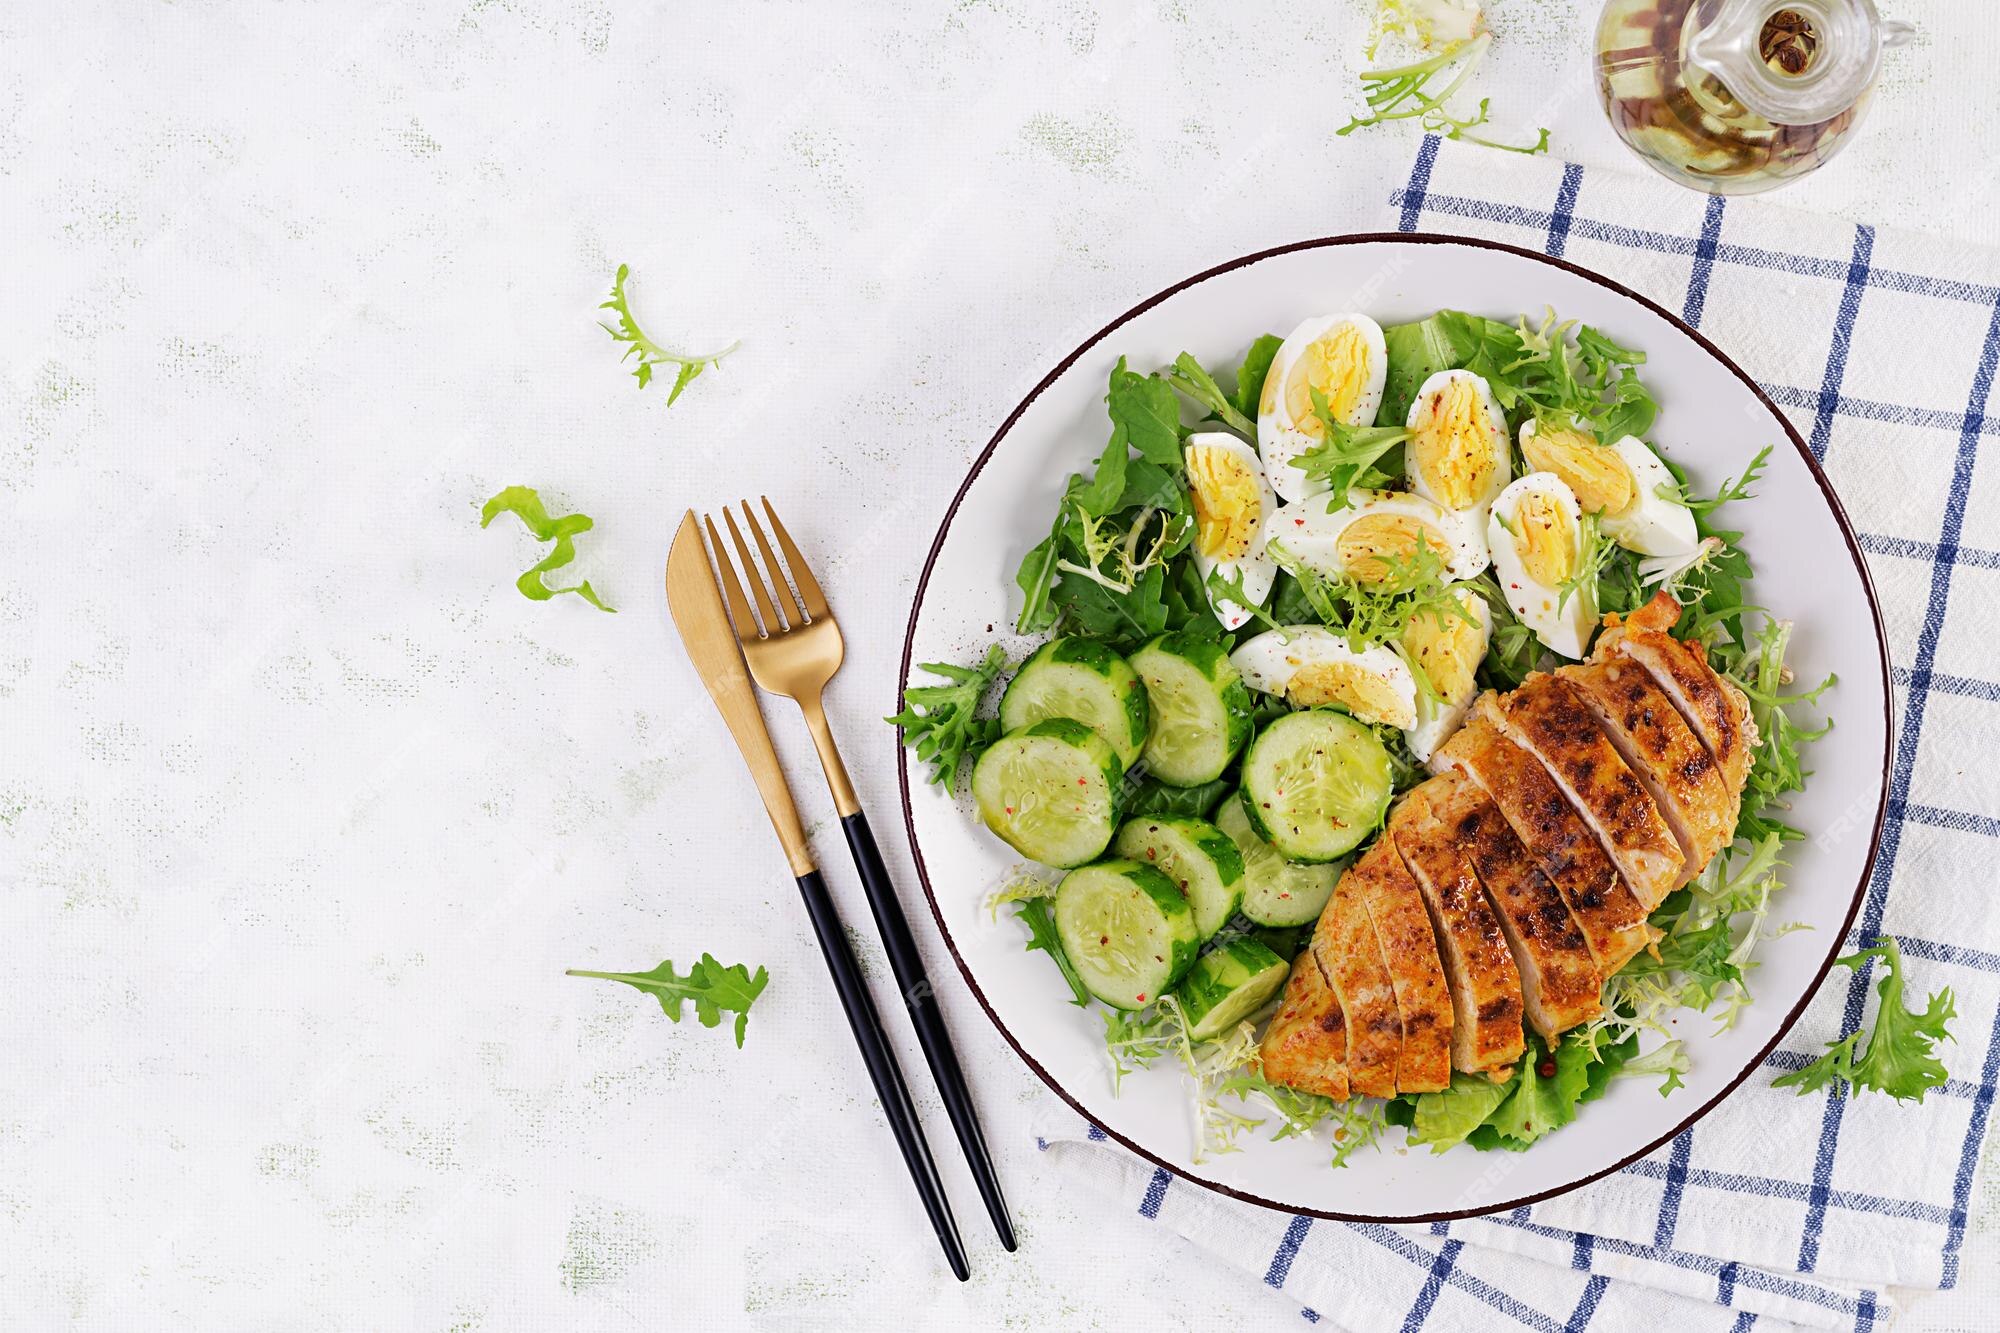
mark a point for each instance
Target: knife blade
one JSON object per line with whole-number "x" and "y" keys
{"x": 695, "y": 602}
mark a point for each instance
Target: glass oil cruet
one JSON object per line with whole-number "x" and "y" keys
{"x": 1736, "y": 96}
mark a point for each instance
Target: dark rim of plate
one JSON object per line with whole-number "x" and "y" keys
{"x": 1838, "y": 939}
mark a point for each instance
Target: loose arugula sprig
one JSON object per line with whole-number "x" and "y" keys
{"x": 942, "y": 721}
{"x": 1404, "y": 93}
{"x": 524, "y": 502}
{"x": 712, "y": 987}
{"x": 1900, "y": 1058}
{"x": 1347, "y": 457}
{"x": 649, "y": 352}
{"x": 1039, "y": 915}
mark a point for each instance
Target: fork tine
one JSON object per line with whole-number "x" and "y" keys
{"x": 815, "y": 600}
{"x": 739, "y": 609}
{"x": 780, "y": 589}
{"x": 773, "y": 622}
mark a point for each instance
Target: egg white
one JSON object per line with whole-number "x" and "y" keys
{"x": 1652, "y": 524}
{"x": 1495, "y": 422}
{"x": 1280, "y": 436}
{"x": 1259, "y": 571}
{"x": 1562, "y": 626}
{"x": 1269, "y": 662}
{"x": 1438, "y": 719}
{"x": 1312, "y": 535}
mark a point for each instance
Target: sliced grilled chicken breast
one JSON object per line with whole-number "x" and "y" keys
{"x": 1409, "y": 949}
{"x": 1306, "y": 1044}
{"x": 1485, "y": 988}
{"x": 1560, "y": 983}
{"x": 1546, "y": 718}
{"x": 1349, "y": 954}
{"x": 1611, "y": 920}
{"x": 1714, "y": 709}
{"x": 1657, "y": 744}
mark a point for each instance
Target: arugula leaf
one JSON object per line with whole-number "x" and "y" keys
{"x": 713, "y": 988}
{"x": 1416, "y": 352}
{"x": 1900, "y": 1058}
{"x": 1039, "y": 915}
{"x": 1144, "y": 405}
{"x": 1229, "y": 588}
{"x": 649, "y": 352}
{"x": 524, "y": 502}
{"x": 1156, "y": 798}
{"x": 940, "y": 721}
{"x": 1250, "y": 376}
{"x": 1188, "y": 376}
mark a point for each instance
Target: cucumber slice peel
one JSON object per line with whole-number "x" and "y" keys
{"x": 1197, "y": 856}
{"x": 1086, "y": 682}
{"x": 1227, "y": 985}
{"x": 1127, "y": 929}
{"x": 1316, "y": 784}
{"x": 1050, "y": 791}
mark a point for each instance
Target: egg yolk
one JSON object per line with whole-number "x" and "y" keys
{"x": 1336, "y": 364}
{"x": 1353, "y": 687}
{"x": 1228, "y": 504}
{"x": 1365, "y": 545}
{"x": 1447, "y": 649}
{"x": 1547, "y": 539}
{"x": 1598, "y": 475}
{"x": 1453, "y": 448}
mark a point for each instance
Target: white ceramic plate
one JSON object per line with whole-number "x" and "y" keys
{"x": 1712, "y": 420}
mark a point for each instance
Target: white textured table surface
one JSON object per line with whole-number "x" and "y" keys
{"x": 303, "y": 810}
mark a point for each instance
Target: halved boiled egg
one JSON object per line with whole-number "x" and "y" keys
{"x": 1345, "y": 359}
{"x": 1446, "y": 649}
{"x": 1625, "y": 482}
{"x": 1536, "y": 535}
{"x": 1375, "y": 527}
{"x": 1457, "y": 452}
{"x": 1312, "y": 666}
{"x": 1232, "y": 502}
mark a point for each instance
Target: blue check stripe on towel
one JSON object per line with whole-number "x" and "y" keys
{"x": 1882, "y": 348}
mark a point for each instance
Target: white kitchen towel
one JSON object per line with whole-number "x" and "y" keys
{"x": 1881, "y": 347}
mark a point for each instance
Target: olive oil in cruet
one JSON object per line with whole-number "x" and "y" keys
{"x": 1736, "y": 96}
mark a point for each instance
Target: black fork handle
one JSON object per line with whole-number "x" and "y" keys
{"x": 882, "y": 1067}
{"x": 908, "y": 965}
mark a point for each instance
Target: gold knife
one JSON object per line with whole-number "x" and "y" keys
{"x": 695, "y": 602}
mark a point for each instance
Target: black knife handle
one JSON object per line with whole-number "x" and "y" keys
{"x": 882, "y": 1067}
{"x": 908, "y": 965}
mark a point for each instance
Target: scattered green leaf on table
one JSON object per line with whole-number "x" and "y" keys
{"x": 649, "y": 352}
{"x": 524, "y": 502}
{"x": 713, "y": 988}
{"x": 1900, "y": 1058}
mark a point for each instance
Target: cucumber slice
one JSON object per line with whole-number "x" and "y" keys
{"x": 1076, "y": 678}
{"x": 1197, "y": 856}
{"x": 1227, "y": 985}
{"x": 1316, "y": 783}
{"x": 1275, "y": 892}
{"x": 1050, "y": 791}
{"x": 1127, "y": 930}
{"x": 1201, "y": 708}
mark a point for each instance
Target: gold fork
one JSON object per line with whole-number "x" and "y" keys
{"x": 794, "y": 647}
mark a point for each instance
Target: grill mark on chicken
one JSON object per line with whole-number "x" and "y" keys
{"x": 1306, "y": 1043}
{"x": 1611, "y": 920}
{"x": 1348, "y": 952}
{"x": 1663, "y": 752}
{"x": 1479, "y": 969}
{"x": 1561, "y": 984}
{"x": 1546, "y": 718}
{"x": 1409, "y": 949}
